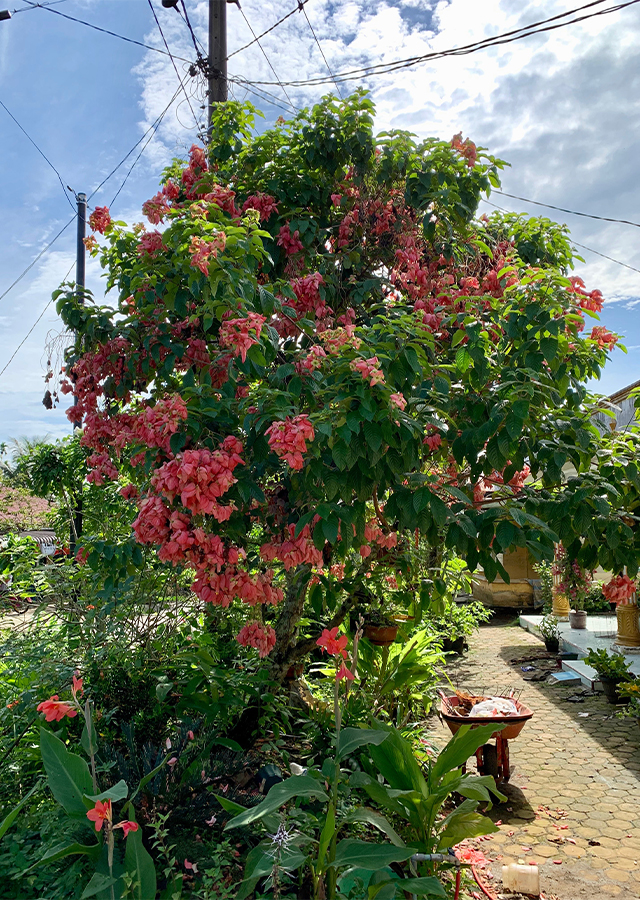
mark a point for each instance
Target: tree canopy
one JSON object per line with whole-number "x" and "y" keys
{"x": 325, "y": 356}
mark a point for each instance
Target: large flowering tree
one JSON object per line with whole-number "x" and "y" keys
{"x": 319, "y": 355}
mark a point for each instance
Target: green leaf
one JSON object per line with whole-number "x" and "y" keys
{"x": 396, "y": 762}
{"x": 463, "y": 359}
{"x": 260, "y": 864}
{"x": 352, "y": 738}
{"x": 139, "y": 865}
{"x": 59, "y": 851}
{"x": 464, "y": 822}
{"x": 147, "y": 778}
{"x": 296, "y": 786}
{"x": 350, "y": 852}
{"x": 371, "y": 817}
{"x": 428, "y": 886}
{"x": 98, "y": 883}
{"x": 8, "y": 820}
{"x": 68, "y": 775}
{"x": 462, "y": 745}
{"x": 118, "y": 792}
{"x": 327, "y": 833}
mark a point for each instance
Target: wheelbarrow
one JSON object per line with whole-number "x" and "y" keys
{"x": 492, "y": 759}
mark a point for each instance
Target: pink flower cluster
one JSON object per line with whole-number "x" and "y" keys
{"x": 604, "y": 338}
{"x": 290, "y": 243}
{"x": 433, "y": 438}
{"x": 288, "y": 439}
{"x": 101, "y": 468}
{"x": 313, "y": 359}
{"x": 263, "y": 203}
{"x": 201, "y": 250}
{"x": 200, "y": 477}
{"x": 222, "y": 197}
{"x": 150, "y": 243}
{"x": 100, "y": 220}
{"x": 220, "y": 588}
{"x": 398, "y": 400}
{"x": 373, "y": 534}
{"x": 240, "y": 334}
{"x": 465, "y": 148}
{"x": 619, "y": 590}
{"x": 586, "y": 300}
{"x": 262, "y": 637}
{"x": 368, "y": 368}
{"x": 293, "y": 551}
{"x": 338, "y": 339}
{"x": 157, "y": 207}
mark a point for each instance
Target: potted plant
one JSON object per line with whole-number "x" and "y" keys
{"x": 550, "y": 633}
{"x": 380, "y": 628}
{"x": 457, "y": 622}
{"x": 612, "y": 670}
{"x": 630, "y": 693}
{"x": 574, "y": 583}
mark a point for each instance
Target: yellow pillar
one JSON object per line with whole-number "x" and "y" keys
{"x": 628, "y": 624}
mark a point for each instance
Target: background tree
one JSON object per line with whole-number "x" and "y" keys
{"x": 324, "y": 357}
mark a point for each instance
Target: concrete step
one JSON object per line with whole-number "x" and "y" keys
{"x": 588, "y": 676}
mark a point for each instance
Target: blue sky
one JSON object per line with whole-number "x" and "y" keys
{"x": 562, "y": 108}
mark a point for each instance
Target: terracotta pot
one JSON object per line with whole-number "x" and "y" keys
{"x": 381, "y": 635}
{"x": 295, "y": 671}
{"x": 578, "y": 618}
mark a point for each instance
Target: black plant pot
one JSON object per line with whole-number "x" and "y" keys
{"x": 552, "y": 644}
{"x": 459, "y": 645}
{"x": 610, "y": 688}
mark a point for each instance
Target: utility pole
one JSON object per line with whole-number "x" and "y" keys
{"x": 217, "y": 56}
{"x": 81, "y": 200}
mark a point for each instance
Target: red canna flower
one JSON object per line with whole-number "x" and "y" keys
{"x": 127, "y": 827}
{"x": 334, "y": 645}
{"x": 54, "y": 710}
{"x": 77, "y": 687}
{"x": 343, "y": 672}
{"x": 100, "y": 813}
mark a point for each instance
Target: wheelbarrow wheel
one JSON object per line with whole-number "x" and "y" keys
{"x": 488, "y": 761}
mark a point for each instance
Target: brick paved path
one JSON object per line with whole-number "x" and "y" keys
{"x": 575, "y": 779}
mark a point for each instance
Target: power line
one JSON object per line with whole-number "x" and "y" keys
{"x": 257, "y": 40}
{"x": 34, "y": 261}
{"x": 572, "y": 212}
{"x": 322, "y": 53}
{"x": 575, "y": 243}
{"x": 41, "y": 152}
{"x": 35, "y": 6}
{"x": 262, "y": 94}
{"x": 32, "y": 329}
{"x": 121, "y": 37}
{"x": 604, "y": 256}
{"x": 496, "y": 40}
{"x": 153, "y": 130}
{"x": 300, "y": 6}
{"x": 173, "y": 62}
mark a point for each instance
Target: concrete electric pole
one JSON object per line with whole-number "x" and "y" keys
{"x": 217, "y": 55}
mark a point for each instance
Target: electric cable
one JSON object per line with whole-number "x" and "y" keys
{"x": 269, "y": 63}
{"x": 153, "y": 130}
{"x": 41, "y": 152}
{"x": 299, "y": 8}
{"x": 31, "y": 330}
{"x": 121, "y": 37}
{"x": 322, "y": 52}
{"x": 264, "y": 95}
{"x": 153, "y": 127}
{"x": 35, "y": 260}
{"x": 185, "y": 18}
{"x": 36, "y": 5}
{"x": 496, "y": 40}
{"x": 575, "y": 243}
{"x": 572, "y": 212}
{"x": 173, "y": 62}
